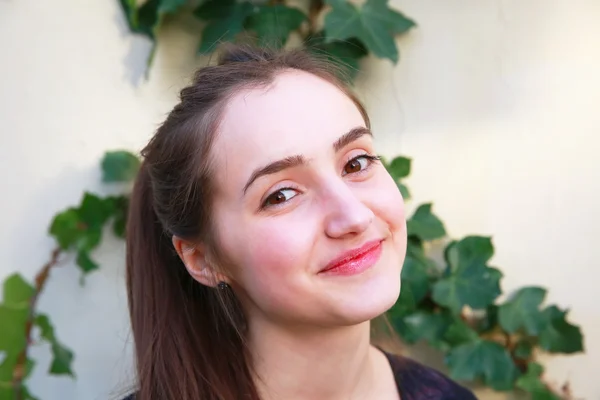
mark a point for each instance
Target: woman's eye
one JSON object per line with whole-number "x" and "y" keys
{"x": 359, "y": 163}
{"x": 279, "y": 197}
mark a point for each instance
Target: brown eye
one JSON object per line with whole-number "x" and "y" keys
{"x": 279, "y": 197}
{"x": 356, "y": 165}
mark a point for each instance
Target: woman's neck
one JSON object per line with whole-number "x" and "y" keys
{"x": 320, "y": 364}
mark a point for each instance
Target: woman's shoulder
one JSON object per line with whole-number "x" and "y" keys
{"x": 417, "y": 382}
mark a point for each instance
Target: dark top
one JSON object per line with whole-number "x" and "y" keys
{"x": 418, "y": 382}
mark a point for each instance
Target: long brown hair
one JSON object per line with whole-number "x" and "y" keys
{"x": 189, "y": 338}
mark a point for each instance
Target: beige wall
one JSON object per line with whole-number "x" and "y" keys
{"x": 496, "y": 101}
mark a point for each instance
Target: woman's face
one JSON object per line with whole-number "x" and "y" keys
{"x": 313, "y": 228}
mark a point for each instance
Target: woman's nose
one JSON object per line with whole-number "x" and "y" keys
{"x": 346, "y": 214}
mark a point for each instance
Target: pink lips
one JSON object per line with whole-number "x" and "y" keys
{"x": 355, "y": 261}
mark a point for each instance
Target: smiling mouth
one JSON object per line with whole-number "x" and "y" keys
{"x": 355, "y": 261}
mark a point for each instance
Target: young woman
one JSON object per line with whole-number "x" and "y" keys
{"x": 263, "y": 238}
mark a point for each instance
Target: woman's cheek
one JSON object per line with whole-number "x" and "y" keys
{"x": 279, "y": 242}
{"x": 278, "y": 253}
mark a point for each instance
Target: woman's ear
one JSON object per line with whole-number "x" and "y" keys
{"x": 195, "y": 259}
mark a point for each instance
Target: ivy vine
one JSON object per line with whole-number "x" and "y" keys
{"x": 340, "y": 29}
{"x": 77, "y": 232}
{"x": 452, "y": 305}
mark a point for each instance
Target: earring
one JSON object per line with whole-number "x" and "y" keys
{"x": 223, "y": 285}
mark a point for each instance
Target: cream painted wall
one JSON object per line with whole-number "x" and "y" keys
{"x": 496, "y": 102}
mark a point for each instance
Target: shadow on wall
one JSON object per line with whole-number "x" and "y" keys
{"x": 174, "y": 58}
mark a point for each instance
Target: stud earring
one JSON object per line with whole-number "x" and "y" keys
{"x": 223, "y": 285}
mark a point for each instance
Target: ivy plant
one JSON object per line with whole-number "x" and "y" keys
{"x": 77, "y": 232}
{"x": 453, "y": 307}
{"x": 342, "y": 30}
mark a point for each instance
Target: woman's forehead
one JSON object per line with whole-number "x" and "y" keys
{"x": 297, "y": 109}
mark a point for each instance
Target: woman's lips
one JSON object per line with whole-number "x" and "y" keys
{"x": 355, "y": 261}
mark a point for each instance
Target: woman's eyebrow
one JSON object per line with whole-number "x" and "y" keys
{"x": 297, "y": 160}
{"x": 275, "y": 167}
{"x": 351, "y": 136}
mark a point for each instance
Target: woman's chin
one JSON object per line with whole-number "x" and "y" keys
{"x": 367, "y": 303}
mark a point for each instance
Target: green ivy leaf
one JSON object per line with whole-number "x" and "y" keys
{"x": 215, "y": 9}
{"x": 12, "y": 338}
{"x": 46, "y": 329}
{"x": 559, "y": 336}
{"x": 425, "y": 225}
{"x": 170, "y": 6}
{"x": 415, "y": 286}
{"x": 403, "y": 191}
{"x": 393, "y": 20}
{"x": 226, "y": 20}
{"x": 6, "y": 391}
{"x": 523, "y": 349}
{"x": 405, "y": 305}
{"x": 81, "y": 228}
{"x": 150, "y": 14}
{"x": 14, "y": 313}
{"x": 273, "y": 24}
{"x": 85, "y": 262}
{"x": 544, "y": 395}
{"x": 29, "y": 365}
{"x": 17, "y": 291}
{"x": 399, "y": 168}
{"x": 531, "y": 382}
{"x": 120, "y": 207}
{"x": 374, "y": 24}
{"x": 523, "y": 311}
{"x": 459, "y": 333}
{"x": 148, "y": 19}
{"x": 345, "y": 54}
{"x": 417, "y": 272}
{"x": 482, "y": 359}
{"x": 90, "y": 239}
{"x": 415, "y": 276}
{"x": 119, "y": 166}
{"x": 414, "y": 249}
{"x": 66, "y": 228}
{"x": 472, "y": 284}
{"x": 12, "y": 334}
{"x": 62, "y": 356}
{"x": 470, "y": 250}
{"x": 427, "y": 326}
{"x": 61, "y": 362}
{"x": 130, "y": 9}
{"x": 94, "y": 211}
{"x": 7, "y": 367}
